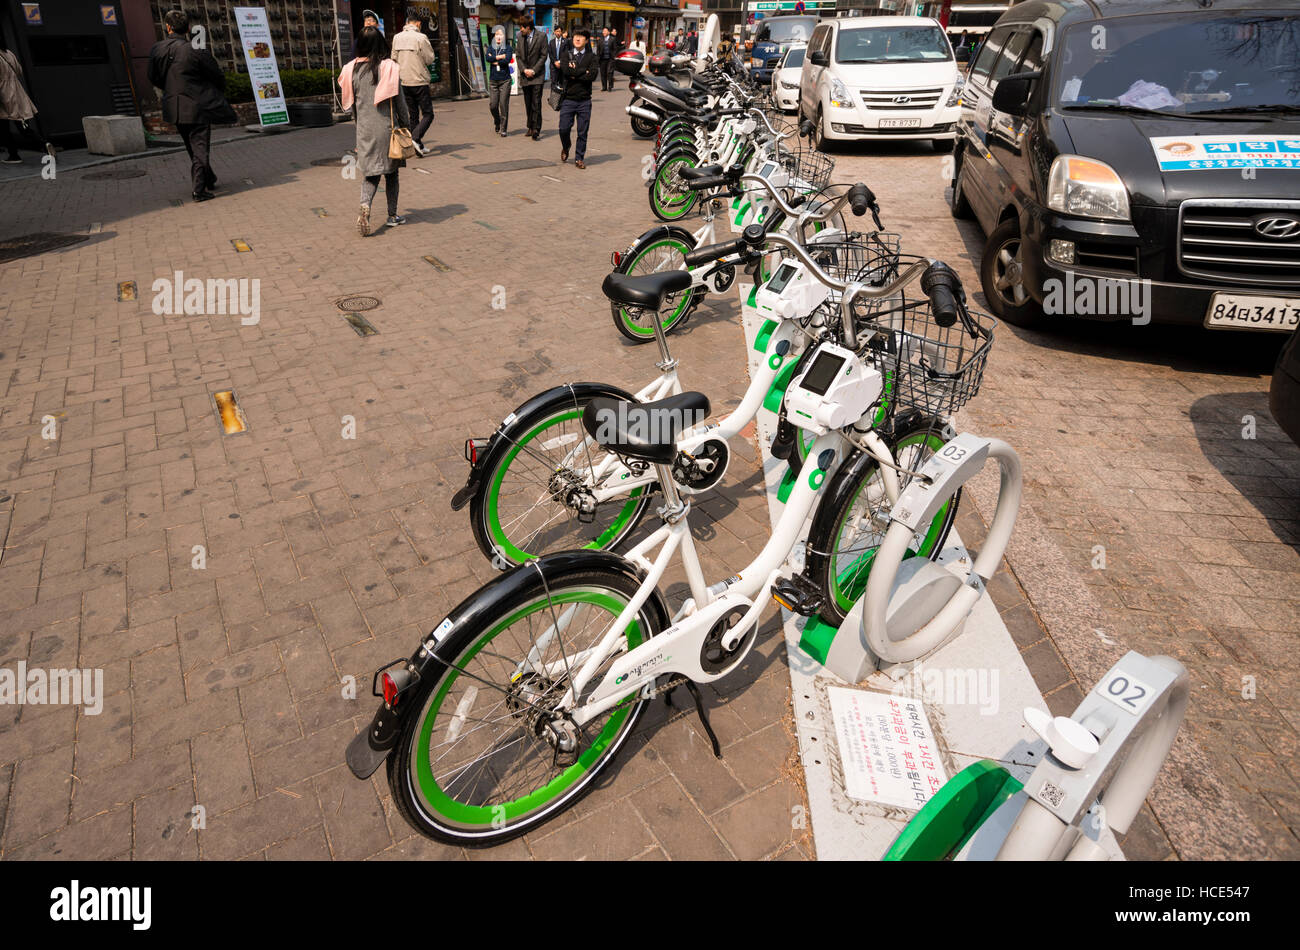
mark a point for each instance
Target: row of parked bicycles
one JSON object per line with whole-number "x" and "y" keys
{"x": 511, "y": 708}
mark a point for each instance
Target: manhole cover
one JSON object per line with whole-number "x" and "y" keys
{"x": 357, "y": 304}
{"x": 517, "y": 166}
{"x": 30, "y": 244}
{"x": 114, "y": 174}
{"x": 332, "y": 160}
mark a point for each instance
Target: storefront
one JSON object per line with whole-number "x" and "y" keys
{"x": 661, "y": 18}
{"x": 597, "y": 14}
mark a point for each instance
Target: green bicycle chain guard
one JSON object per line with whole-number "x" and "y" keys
{"x": 941, "y": 829}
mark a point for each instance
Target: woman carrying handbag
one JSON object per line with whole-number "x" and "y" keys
{"x": 370, "y": 87}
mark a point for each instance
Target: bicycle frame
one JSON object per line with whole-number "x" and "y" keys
{"x": 678, "y": 649}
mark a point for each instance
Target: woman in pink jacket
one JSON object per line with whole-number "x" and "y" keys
{"x": 370, "y": 88}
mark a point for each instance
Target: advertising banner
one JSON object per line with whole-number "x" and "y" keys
{"x": 474, "y": 67}
{"x": 1200, "y": 152}
{"x": 263, "y": 73}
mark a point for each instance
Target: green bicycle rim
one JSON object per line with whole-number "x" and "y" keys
{"x": 671, "y": 321}
{"x": 512, "y": 551}
{"x": 483, "y": 816}
{"x": 849, "y": 585}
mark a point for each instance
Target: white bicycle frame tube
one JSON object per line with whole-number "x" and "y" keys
{"x": 649, "y": 660}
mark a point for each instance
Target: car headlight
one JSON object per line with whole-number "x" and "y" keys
{"x": 954, "y": 98}
{"x": 1086, "y": 187}
{"x": 789, "y": 85}
{"x": 840, "y": 95}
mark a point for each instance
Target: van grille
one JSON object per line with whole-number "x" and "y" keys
{"x": 887, "y": 99}
{"x": 1217, "y": 239}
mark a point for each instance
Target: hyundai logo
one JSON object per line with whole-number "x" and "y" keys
{"x": 902, "y": 100}
{"x": 1278, "y": 227}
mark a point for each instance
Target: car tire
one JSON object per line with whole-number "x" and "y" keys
{"x": 820, "y": 141}
{"x": 941, "y": 145}
{"x": 959, "y": 204}
{"x": 1001, "y": 277}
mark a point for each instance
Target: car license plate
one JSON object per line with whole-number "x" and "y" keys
{"x": 1249, "y": 312}
{"x": 900, "y": 123}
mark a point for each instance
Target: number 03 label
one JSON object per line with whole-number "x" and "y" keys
{"x": 1125, "y": 691}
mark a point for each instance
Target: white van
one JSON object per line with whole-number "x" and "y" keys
{"x": 888, "y": 77}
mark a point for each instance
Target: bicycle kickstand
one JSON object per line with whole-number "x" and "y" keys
{"x": 699, "y": 709}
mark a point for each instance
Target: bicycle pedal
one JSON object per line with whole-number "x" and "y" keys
{"x": 798, "y": 594}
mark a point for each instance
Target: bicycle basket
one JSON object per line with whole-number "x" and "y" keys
{"x": 865, "y": 258}
{"x": 807, "y": 166}
{"x": 934, "y": 369}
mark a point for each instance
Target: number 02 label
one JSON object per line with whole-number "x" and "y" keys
{"x": 1125, "y": 691}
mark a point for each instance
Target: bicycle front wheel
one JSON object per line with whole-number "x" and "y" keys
{"x": 850, "y": 524}
{"x": 477, "y": 762}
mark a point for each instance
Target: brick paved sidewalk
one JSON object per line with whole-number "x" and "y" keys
{"x": 325, "y": 557}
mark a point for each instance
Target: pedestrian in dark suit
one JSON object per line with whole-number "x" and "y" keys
{"x": 606, "y": 48}
{"x": 555, "y": 49}
{"x": 578, "y": 68}
{"x": 193, "y": 96}
{"x": 531, "y": 58}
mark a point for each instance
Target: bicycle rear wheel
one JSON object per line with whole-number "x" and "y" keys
{"x": 661, "y": 249}
{"x": 477, "y": 760}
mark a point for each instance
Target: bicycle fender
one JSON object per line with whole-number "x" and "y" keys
{"x": 368, "y": 750}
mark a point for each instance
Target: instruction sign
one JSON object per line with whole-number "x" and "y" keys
{"x": 887, "y": 749}
{"x": 263, "y": 73}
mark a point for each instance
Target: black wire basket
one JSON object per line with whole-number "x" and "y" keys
{"x": 871, "y": 259}
{"x": 934, "y": 369}
{"x": 807, "y": 166}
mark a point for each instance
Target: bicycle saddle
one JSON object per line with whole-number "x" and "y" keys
{"x": 704, "y": 171}
{"x": 644, "y": 430}
{"x": 645, "y": 290}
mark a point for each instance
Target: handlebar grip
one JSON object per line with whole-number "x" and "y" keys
{"x": 942, "y": 285}
{"x": 860, "y": 198}
{"x": 714, "y": 252}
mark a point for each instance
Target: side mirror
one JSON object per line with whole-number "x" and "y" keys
{"x": 1012, "y": 94}
{"x": 819, "y": 59}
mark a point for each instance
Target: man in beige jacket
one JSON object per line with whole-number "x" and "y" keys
{"x": 414, "y": 55}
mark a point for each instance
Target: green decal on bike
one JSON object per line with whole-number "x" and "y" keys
{"x": 765, "y": 335}
{"x": 772, "y": 401}
{"x": 816, "y": 478}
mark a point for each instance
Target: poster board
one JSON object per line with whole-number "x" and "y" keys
{"x": 263, "y": 73}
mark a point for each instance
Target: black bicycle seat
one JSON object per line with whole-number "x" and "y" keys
{"x": 644, "y": 430}
{"x": 645, "y": 290}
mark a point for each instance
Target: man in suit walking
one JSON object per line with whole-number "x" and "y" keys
{"x": 531, "y": 56}
{"x": 605, "y": 53}
{"x": 555, "y": 49}
{"x": 193, "y": 96}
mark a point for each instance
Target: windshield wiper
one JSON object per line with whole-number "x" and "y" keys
{"x": 1137, "y": 110}
{"x": 1278, "y": 109}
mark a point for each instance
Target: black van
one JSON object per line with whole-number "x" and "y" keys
{"x": 1137, "y": 159}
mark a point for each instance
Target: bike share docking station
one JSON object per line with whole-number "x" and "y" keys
{"x": 1024, "y": 784}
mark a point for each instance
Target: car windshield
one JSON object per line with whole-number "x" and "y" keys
{"x": 892, "y": 44}
{"x": 784, "y": 30}
{"x": 794, "y": 57}
{"x": 1183, "y": 65}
